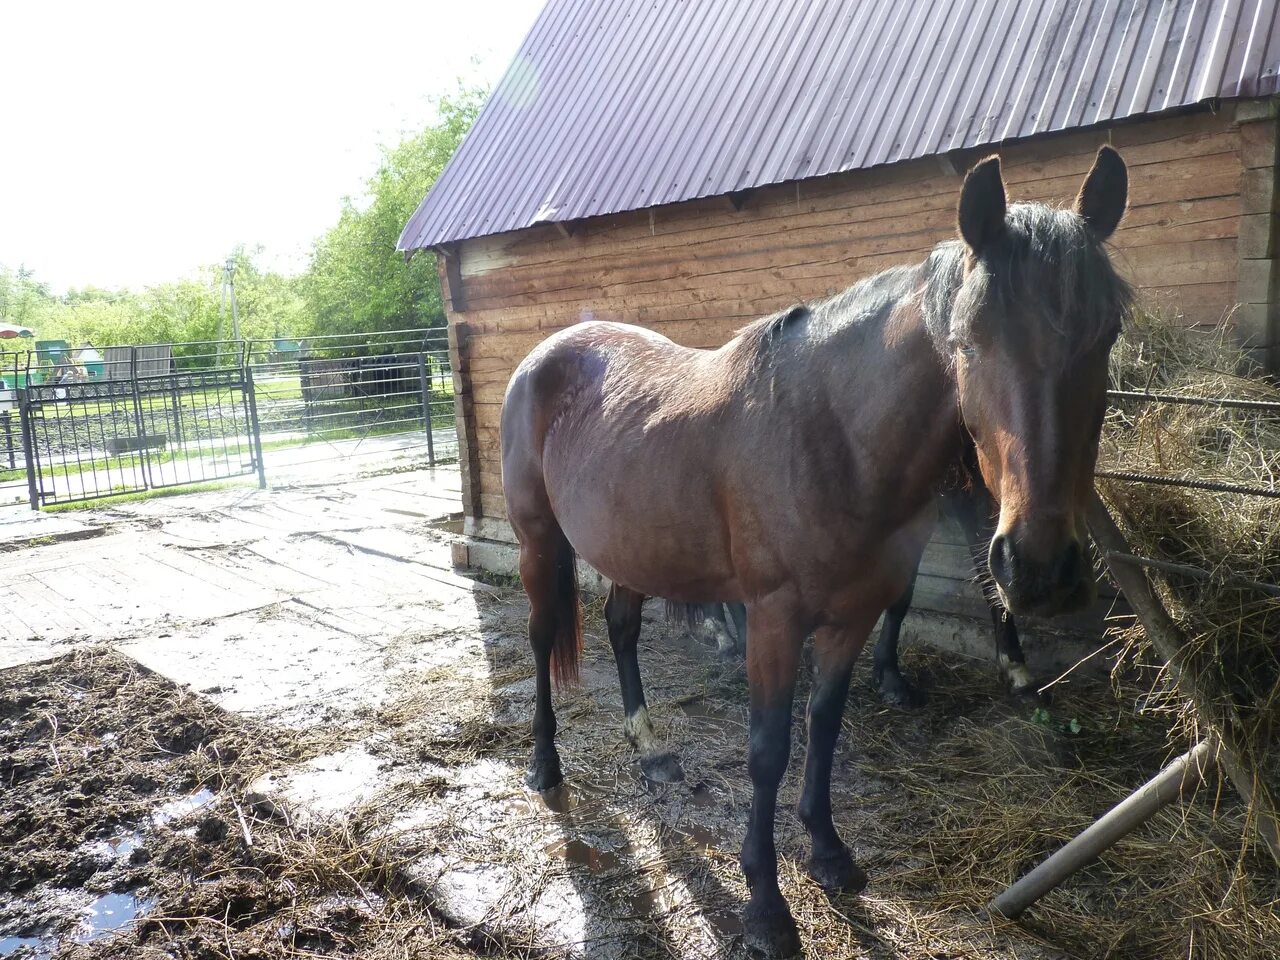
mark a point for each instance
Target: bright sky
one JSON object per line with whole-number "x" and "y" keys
{"x": 139, "y": 141}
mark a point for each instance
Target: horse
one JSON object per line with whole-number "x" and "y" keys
{"x": 967, "y": 500}
{"x": 794, "y": 470}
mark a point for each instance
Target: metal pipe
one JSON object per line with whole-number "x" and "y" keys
{"x": 1180, "y": 776}
{"x": 1196, "y": 573}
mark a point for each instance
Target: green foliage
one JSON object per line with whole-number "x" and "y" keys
{"x": 357, "y": 282}
{"x": 184, "y": 310}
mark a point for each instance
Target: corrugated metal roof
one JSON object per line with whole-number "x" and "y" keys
{"x": 615, "y": 105}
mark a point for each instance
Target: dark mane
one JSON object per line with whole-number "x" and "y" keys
{"x": 1046, "y": 269}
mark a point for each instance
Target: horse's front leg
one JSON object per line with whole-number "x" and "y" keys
{"x": 830, "y": 862}
{"x": 622, "y": 614}
{"x": 973, "y": 510}
{"x": 772, "y": 659}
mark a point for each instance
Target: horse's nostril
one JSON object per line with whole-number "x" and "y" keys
{"x": 1001, "y": 559}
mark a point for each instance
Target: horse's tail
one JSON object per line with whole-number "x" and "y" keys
{"x": 686, "y": 614}
{"x": 566, "y": 649}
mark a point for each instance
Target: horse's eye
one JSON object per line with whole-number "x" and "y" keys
{"x": 965, "y": 350}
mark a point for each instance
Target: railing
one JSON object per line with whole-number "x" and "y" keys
{"x": 166, "y": 415}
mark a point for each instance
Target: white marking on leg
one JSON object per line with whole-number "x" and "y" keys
{"x": 716, "y": 631}
{"x": 1018, "y": 674}
{"x": 639, "y": 731}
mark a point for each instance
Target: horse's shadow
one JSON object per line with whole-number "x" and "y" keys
{"x": 653, "y": 868}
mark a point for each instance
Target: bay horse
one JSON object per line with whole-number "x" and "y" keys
{"x": 965, "y": 499}
{"x": 794, "y": 470}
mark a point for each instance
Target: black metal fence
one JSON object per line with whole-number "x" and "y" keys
{"x": 154, "y": 416}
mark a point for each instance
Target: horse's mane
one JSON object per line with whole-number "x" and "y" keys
{"x": 1047, "y": 266}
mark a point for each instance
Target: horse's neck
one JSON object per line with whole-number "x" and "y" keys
{"x": 895, "y": 398}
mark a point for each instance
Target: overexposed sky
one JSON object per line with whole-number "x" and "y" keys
{"x": 139, "y": 141}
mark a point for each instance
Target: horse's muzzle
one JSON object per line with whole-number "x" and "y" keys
{"x": 1060, "y": 584}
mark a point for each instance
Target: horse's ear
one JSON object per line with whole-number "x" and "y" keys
{"x": 982, "y": 205}
{"x": 1104, "y": 194}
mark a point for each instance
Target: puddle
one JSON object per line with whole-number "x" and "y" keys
{"x": 662, "y": 900}
{"x": 108, "y": 914}
{"x": 701, "y": 796}
{"x": 181, "y": 807}
{"x": 451, "y": 525}
{"x": 26, "y": 948}
{"x": 583, "y": 854}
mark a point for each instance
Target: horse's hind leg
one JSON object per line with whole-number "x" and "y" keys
{"x": 622, "y": 614}
{"x": 738, "y": 611}
{"x": 772, "y": 660}
{"x": 886, "y": 672}
{"x": 716, "y": 629}
{"x": 547, "y": 572}
{"x": 830, "y": 862}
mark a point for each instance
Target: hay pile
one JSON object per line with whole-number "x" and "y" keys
{"x": 1232, "y": 630}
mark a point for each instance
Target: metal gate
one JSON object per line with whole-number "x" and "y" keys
{"x": 137, "y": 431}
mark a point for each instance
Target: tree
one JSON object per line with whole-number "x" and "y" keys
{"x": 357, "y": 282}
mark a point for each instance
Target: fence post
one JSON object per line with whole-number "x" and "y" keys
{"x": 177, "y": 407}
{"x": 424, "y": 383}
{"x": 28, "y": 446}
{"x": 143, "y": 452}
{"x": 254, "y": 432}
{"x": 8, "y": 436}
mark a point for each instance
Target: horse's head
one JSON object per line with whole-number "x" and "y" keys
{"x": 1035, "y": 317}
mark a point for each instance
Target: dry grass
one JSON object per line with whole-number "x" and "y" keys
{"x": 1232, "y": 630}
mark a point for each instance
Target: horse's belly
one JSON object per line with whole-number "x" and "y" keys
{"x": 644, "y": 526}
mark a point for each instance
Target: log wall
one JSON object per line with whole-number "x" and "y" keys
{"x": 698, "y": 271}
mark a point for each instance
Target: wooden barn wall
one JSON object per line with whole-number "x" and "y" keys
{"x": 698, "y": 271}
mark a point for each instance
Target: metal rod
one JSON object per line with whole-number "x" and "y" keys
{"x": 1230, "y": 403}
{"x": 1168, "y": 642}
{"x": 8, "y": 436}
{"x": 250, "y": 393}
{"x": 1179, "y": 777}
{"x": 424, "y": 384}
{"x": 1213, "y": 485}
{"x": 1196, "y": 573}
{"x": 28, "y": 439}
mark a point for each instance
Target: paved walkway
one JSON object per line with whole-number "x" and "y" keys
{"x": 319, "y": 554}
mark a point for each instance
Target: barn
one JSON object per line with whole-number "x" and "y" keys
{"x": 691, "y": 166}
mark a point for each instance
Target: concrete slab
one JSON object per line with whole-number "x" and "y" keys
{"x": 20, "y": 525}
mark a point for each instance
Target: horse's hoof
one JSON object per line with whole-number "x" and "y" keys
{"x": 729, "y": 651}
{"x": 1031, "y": 693}
{"x": 895, "y": 691}
{"x": 544, "y": 773}
{"x": 837, "y": 873}
{"x": 662, "y": 768}
{"x": 767, "y": 928}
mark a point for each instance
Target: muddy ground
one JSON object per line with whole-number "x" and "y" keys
{"x": 126, "y": 795}
{"x": 323, "y": 756}
{"x": 124, "y": 832}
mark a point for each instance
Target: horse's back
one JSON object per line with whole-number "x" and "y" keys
{"x": 609, "y": 427}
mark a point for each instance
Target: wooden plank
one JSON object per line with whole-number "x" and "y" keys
{"x": 1258, "y": 191}
{"x": 1257, "y": 236}
{"x": 1147, "y": 143}
{"x": 930, "y": 219}
{"x": 1258, "y": 143}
